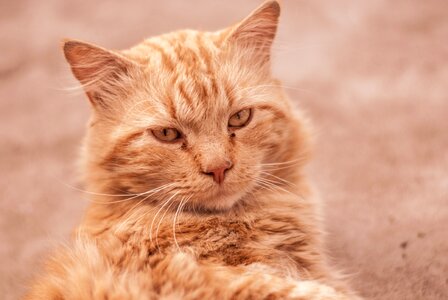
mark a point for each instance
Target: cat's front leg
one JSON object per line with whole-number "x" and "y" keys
{"x": 262, "y": 285}
{"x": 255, "y": 281}
{"x": 314, "y": 290}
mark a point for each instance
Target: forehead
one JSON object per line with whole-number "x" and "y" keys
{"x": 189, "y": 78}
{"x": 187, "y": 75}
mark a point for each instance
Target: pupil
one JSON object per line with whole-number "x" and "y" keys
{"x": 165, "y": 132}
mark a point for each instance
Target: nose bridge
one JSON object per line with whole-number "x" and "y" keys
{"x": 213, "y": 153}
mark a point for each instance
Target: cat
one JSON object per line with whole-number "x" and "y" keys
{"x": 193, "y": 161}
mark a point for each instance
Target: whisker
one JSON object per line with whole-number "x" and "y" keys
{"x": 279, "y": 178}
{"x": 150, "y": 192}
{"x": 160, "y": 222}
{"x": 174, "y": 223}
{"x": 145, "y": 214}
{"x": 275, "y": 185}
{"x": 280, "y": 168}
{"x": 94, "y": 193}
{"x": 271, "y": 182}
{"x": 266, "y": 186}
{"x": 178, "y": 211}
{"x": 300, "y": 159}
{"x": 137, "y": 204}
{"x": 194, "y": 208}
{"x": 283, "y": 165}
{"x": 158, "y": 212}
{"x": 132, "y": 195}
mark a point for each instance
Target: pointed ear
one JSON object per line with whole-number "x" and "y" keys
{"x": 100, "y": 71}
{"x": 257, "y": 31}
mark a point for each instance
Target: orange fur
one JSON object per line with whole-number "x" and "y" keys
{"x": 158, "y": 226}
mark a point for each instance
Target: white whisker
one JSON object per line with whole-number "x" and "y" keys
{"x": 161, "y": 220}
{"x": 279, "y": 178}
{"x": 154, "y": 191}
{"x": 284, "y": 162}
{"x": 275, "y": 185}
{"x": 178, "y": 211}
{"x": 158, "y": 212}
{"x": 132, "y": 195}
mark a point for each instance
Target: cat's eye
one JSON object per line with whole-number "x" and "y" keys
{"x": 241, "y": 118}
{"x": 166, "y": 134}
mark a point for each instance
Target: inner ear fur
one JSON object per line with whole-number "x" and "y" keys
{"x": 99, "y": 70}
{"x": 257, "y": 31}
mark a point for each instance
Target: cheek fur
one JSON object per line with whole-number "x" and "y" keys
{"x": 143, "y": 167}
{"x": 267, "y": 135}
{"x": 137, "y": 163}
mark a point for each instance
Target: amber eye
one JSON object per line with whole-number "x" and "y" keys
{"x": 241, "y": 118}
{"x": 166, "y": 134}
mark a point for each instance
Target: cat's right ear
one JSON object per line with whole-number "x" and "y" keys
{"x": 101, "y": 72}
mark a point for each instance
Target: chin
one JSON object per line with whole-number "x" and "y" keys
{"x": 221, "y": 201}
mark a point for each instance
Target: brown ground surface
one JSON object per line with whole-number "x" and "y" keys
{"x": 372, "y": 74}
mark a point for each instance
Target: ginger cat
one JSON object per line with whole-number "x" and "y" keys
{"x": 193, "y": 161}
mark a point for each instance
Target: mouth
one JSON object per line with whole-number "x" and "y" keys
{"x": 224, "y": 196}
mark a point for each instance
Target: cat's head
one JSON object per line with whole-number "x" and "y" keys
{"x": 189, "y": 115}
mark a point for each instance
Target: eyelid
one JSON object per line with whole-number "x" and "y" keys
{"x": 235, "y": 111}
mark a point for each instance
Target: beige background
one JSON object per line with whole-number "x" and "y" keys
{"x": 372, "y": 74}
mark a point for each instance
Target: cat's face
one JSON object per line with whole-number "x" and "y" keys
{"x": 187, "y": 116}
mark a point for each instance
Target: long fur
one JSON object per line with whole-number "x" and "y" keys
{"x": 158, "y": 227}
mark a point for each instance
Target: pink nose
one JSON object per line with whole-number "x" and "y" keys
{"x": 219, "y": 172}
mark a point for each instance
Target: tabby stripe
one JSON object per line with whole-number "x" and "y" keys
{"x": 113, "y": 158}
{"x": 187, "y": 56}
{"x": 184, "y": 94}
{"x": 166, "y": 60}
{"x": 229, "y": 93}
{"x": 207, "y": 61}
{"x": 170, "y": 105}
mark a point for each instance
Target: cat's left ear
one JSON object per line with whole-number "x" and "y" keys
{"x": 257, "y": 31}
{"x": 100, "y": 71}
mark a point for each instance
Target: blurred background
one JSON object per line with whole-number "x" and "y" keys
{"x": 373, "y": 76}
